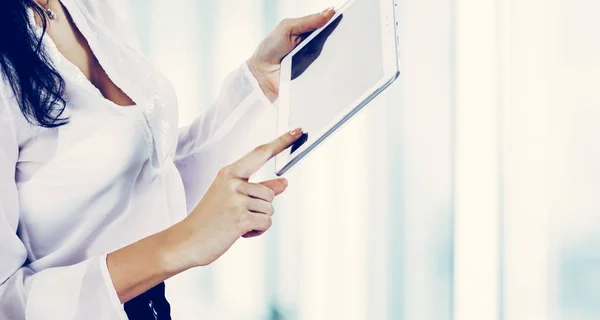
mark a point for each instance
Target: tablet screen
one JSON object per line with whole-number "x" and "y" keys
{"x": 335, "y": 68}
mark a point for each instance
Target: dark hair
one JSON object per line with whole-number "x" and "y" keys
{"x": 37, "y": 85}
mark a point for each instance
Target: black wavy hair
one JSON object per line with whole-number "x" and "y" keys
{"x": 37, "y": 85}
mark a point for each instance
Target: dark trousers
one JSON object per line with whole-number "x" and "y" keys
{"x": 150, "y": 305}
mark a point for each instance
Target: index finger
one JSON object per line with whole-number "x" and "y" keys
{"x": 254, "y": 160}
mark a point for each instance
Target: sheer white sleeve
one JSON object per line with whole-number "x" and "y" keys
{"x": 80, "y": 291}
{"x": 234, "y": 125}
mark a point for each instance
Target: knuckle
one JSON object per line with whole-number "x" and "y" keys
{"x": 271, "y": 209}
{"x": 268, "y": 224}
{"x": 245, "y": 223}
{"x": 242, "y": 203}
{"x": 285, "y": 23}
{"x": 285, "y": 139}
{"x": 235, "y": 185}
{"x": 263, "y": 149}
{"x": 270, "y": 194}
{"x": 225, "y": 171}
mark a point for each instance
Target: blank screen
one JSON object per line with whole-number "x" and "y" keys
{"x": 335, "y": 69}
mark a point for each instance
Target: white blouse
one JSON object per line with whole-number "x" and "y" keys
{"x": 112, "y": 176}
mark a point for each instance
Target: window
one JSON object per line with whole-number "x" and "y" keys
{"x": 469, "y": 190}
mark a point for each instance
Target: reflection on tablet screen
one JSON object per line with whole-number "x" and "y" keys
{"x": 335, "y": 69}
{"x": 309, "y": 53}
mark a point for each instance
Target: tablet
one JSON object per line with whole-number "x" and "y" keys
{"x": 335, "y": 72}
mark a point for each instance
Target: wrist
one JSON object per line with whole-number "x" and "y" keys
{"x": 171, "y": 250}
{"x": 142, "y": 265}
{"x": 260, "y": 74}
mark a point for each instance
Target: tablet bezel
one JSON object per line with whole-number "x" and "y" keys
{"x": 391, "y": 67}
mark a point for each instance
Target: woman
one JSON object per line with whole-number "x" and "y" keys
{"x": 102, "y": 198}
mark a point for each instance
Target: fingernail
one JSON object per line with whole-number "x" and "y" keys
{"x": 327, "y": 10}
{"x": 296, "y": 132}
{"x": 285, "y": 182}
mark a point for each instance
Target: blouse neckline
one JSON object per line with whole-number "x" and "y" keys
{"x": 95, "y": 50}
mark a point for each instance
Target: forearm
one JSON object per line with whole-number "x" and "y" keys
{"x": 142, "y": 265}
{"x": 232, "y": 207}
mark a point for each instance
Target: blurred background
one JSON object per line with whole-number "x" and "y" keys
{"x": 468, "y": 190}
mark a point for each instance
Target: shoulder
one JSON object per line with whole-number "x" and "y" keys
{"x": 110, "y": 15}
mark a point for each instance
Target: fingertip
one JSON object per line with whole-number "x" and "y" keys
{"x": 296, "y": 132}
{"x": 279, "y": 191}
{"x": 277, "y": 186}
{"x": 292, "y": 136}
{"x": 328, "y": 11}
{"x": 325, "y": 17}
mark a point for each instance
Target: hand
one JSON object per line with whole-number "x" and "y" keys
{"x": 265, "y": 64}
{"x": 231, "y": 208}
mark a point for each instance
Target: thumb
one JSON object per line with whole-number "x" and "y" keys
{"x": 277, "y": 185}
{"x": 310, "y": 23}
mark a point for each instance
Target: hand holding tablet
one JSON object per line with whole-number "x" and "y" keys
{"x": 335, "y": 72}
